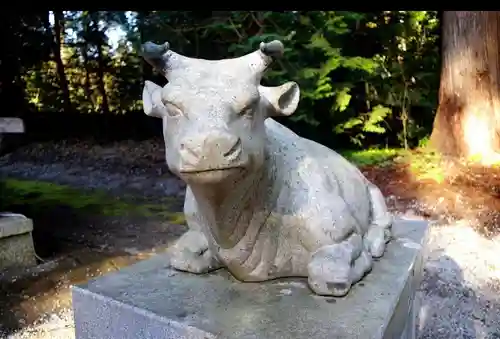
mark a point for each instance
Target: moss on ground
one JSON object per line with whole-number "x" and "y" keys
{"x": 426, "y": 165}
{"x": 41, "y": 195}
{"x": 373, "y": 156}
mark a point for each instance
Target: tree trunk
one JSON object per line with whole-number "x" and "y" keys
{"x": 98, "y": 41}
{"x": 467, "y": 122}
{"x": 59, "y": 38}
{"x": 88, "y": 84}
{"x": 147, "y": 71}
{"x": 12, "y": 88}
{"x": 84, "y": 48}
{"x": 100, "y": 79}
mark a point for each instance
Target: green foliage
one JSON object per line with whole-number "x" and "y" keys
{"x": 367, "y": 78}
{"x": 368, "y": 122}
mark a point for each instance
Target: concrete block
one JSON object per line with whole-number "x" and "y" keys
{"x": 149, "y": 300}
{"x": 16, "y": 243}
{"x": 11, "y": 125}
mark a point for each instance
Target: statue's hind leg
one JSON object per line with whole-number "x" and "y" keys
{"x": 379, "y": 233}
{"x": 334, "y": 268}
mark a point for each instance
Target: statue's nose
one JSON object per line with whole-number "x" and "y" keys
{"x": 211, "y": 147}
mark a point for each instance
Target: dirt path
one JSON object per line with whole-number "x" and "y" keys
{"x": 460, "y": 291}
{"x": 90, "y": 247}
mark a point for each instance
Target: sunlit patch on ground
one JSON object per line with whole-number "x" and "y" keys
{"x": 443, "y": 188}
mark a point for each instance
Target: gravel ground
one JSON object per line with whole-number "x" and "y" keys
{"x": 136, "y": 182}
{"x": 133, "y": 167}
{"x": 461, "y": 289}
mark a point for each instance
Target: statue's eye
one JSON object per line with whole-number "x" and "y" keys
{"x": 172, "y": 109}
{"x": 247, "y": 112}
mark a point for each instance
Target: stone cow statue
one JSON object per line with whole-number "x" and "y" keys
{"x": 261, "y": 201}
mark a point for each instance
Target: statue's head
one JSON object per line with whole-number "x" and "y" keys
{"x": 213, "y": 111}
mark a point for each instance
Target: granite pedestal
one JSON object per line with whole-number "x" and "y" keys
{"x": 150, "y": 301}
{"x": 16, "y": 242}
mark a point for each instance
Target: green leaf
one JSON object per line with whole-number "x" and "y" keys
{"x": 342, "y": 100}
{"x": 352, "y": 122}
{"x": 376, "y": 116}
{"x": 364, "y": 64}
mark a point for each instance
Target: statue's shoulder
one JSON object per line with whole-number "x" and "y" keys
{"x": 282, "y": 135}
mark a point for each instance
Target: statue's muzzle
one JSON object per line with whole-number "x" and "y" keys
{"x": 215, "y": 150}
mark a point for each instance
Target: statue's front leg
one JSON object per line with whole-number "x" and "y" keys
{"x": 334, "y": 268}
{"x": 191, "y": 253}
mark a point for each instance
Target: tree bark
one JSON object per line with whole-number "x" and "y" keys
{"x": 100, "y": 63}
{"x": 100, "y": 79}
{"x": 57, "y": 44}
{"x": 12, "y": 88}
{"x": 141, "y": 25}
{"x": 467, "y": 123}
{"x": 88, "y": 84}
{"x": 84, "y": 49}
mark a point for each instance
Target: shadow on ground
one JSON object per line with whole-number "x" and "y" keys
{"x": 452, "y": 308}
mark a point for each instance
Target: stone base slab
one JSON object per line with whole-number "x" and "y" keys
{"x": 151, "y": 301}
{"x": 16, "y": 243}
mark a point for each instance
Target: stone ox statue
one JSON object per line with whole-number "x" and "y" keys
{"x": 261, "y": 201}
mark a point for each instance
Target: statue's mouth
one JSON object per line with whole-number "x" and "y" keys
{"x": 210, "y": 170}
{"x": 211, "y": 175}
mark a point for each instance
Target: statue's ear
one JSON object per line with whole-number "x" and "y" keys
{"x": 283, "y": 100}
{"x": 151, "y": 100}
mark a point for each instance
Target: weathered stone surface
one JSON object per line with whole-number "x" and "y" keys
{"x": 16, "y": 242}
{"x": 11, "y": 125}
{"x": 261, "y": 201}
{"x": 149, "y": 300}
{"x": 14, "y": 224}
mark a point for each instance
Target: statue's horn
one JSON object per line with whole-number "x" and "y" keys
{"x": 156, "y": 56}
{"x": 162, "y": 58}
{"x": 274, "y": 49}
{"x": 262, "y": 58}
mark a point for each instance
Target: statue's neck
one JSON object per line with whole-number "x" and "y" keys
{"x": 229, "y": 206}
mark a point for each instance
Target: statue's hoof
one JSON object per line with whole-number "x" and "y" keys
{"x": 192, "y": 263}
{"x": 338, "y": 289}
{"x": 191, "y": 254}
{"x": 330, "y": 270}
{"x": 376, "y": 240}
{"x": 329, "y": 277}
{"x": 330, "y": 288}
